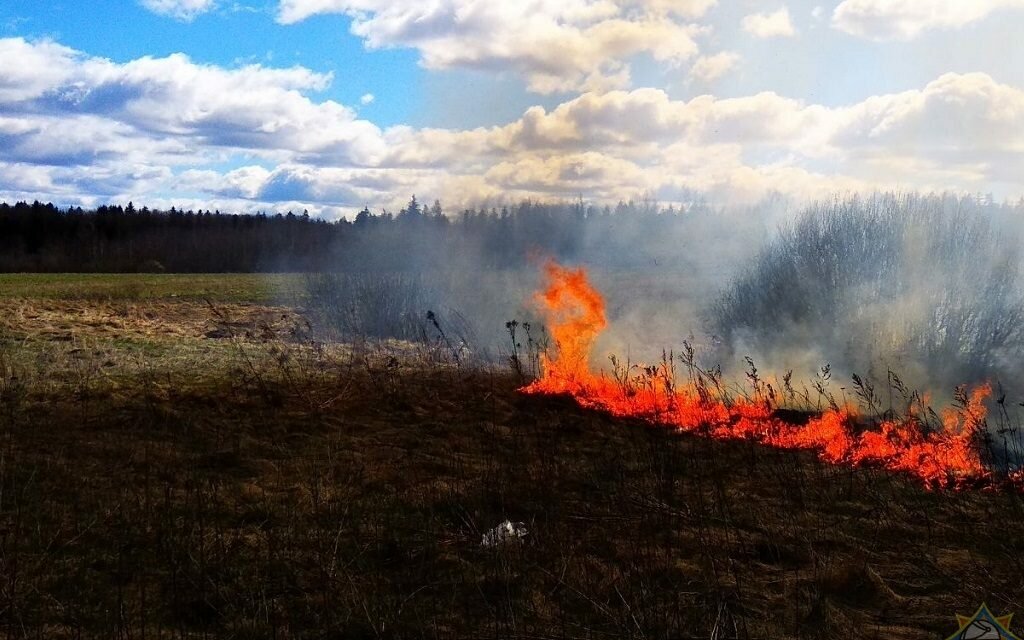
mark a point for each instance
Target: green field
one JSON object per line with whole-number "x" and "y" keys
{"x": 232, "y": 287}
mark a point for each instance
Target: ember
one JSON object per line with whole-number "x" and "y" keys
{"x": 948, "y": 457}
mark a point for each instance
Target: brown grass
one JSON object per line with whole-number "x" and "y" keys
{"x": 162, "y": 483}
{"x": 65, "y": 320}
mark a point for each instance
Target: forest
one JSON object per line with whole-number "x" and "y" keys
{"x": 37, "y": 237}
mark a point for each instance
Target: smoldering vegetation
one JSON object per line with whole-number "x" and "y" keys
{"x": 926, "y": 286}
{"x": 422, "y": 276}
{"x": 892, "y": 305}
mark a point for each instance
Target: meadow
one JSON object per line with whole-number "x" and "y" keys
{"x": 189, "y": 457}
{"x": 220, "y": 287}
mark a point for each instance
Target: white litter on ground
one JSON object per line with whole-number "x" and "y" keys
{"x": 505, "y": 532}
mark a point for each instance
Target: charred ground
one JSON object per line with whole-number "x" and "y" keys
{"x": 206, "y": 470}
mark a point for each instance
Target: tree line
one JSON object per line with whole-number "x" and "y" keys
{"x": 37, "y": 237}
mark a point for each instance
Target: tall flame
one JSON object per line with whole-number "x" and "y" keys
{"x": 575, "y": 313}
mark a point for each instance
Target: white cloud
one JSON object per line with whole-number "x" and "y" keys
{"x": 684, "y": 8}
{"x": 885, "y": 19}
{"x": 557, "y": 45}
{"x": 959, "y": 123}
{"x": 83, "y": 140}
{"x": 711, "y": 68}
{"x": 185, "y": 10}
{"x": 106, "y": 128}
{"x": 291, "y": 11}
{"x": 76, "y": 128}
{"x": 634, "y": 121}
{"x": 27, "y": 70}
{"x": 367, "y": 98}
{"x": 960, "y": 132}
{"x": 253, "y": 108}
{"x": 598, "y": 174}
{"x": 769, "y": 25}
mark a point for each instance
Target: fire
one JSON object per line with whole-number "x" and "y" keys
{"x": 575, "y": 312}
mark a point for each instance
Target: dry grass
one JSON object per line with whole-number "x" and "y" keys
{"x": 162, "y": 483}
{"x": 233, "y": 287}
{"x": 66, "y": 320}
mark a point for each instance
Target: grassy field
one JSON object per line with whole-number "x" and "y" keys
{"x": 172, "y": 468}
{"x": 241, "y": 287}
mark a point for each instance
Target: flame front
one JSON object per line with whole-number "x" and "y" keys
{"x": 575, "y": 313}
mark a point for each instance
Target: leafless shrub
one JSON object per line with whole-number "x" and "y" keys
{"x": 931, "y": 284}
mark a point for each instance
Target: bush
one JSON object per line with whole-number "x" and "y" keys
{"x": 929, "y": 284}
{"x": 385, "y": 305}
{"x": 393, "y": 305}
{"x": 152, "y": 266}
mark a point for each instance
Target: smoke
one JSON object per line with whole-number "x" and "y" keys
{"x": 477, "y": 269}
{"x": 926, "y": 286}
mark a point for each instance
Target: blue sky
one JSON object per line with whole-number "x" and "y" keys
{"x": 123, "y": 30}
{"x": 333, "y": 104}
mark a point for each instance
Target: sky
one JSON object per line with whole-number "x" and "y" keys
{"x": 333, "y": 105}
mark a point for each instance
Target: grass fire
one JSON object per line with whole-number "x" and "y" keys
{"x": 947, "y": 456}
{"x": 382, "y": 452}
{"x": 538, "y": 320}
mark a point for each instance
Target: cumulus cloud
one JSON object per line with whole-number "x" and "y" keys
{"x": 81, "y": 129}
{"x": 961, "y": 129}
{"x": 185, "y": 10}
{"x": 106, "y": 128}
{"x": 601, "y": 175}
{"x": 636, "y": 121}
{"x": 622, "y": 143}
{"x": 82, "y": 140}
{"x": 769, "y": 25}
{"x": 684, "y": 8}
{"x": 711, "y": 68}
{"x": 28, "y": 70}
{"x": 254, "y": 108}
{"x": 883, "y": 19}
{"x": 557, "y": 45}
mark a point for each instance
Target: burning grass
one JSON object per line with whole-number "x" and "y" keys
{"x": 948, "y": 456}
{"x": 258, "y": 486}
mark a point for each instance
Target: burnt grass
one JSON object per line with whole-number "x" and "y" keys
{"x": 304, "y": 494}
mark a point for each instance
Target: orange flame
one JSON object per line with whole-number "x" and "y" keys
{"x": 575, "y": 312}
